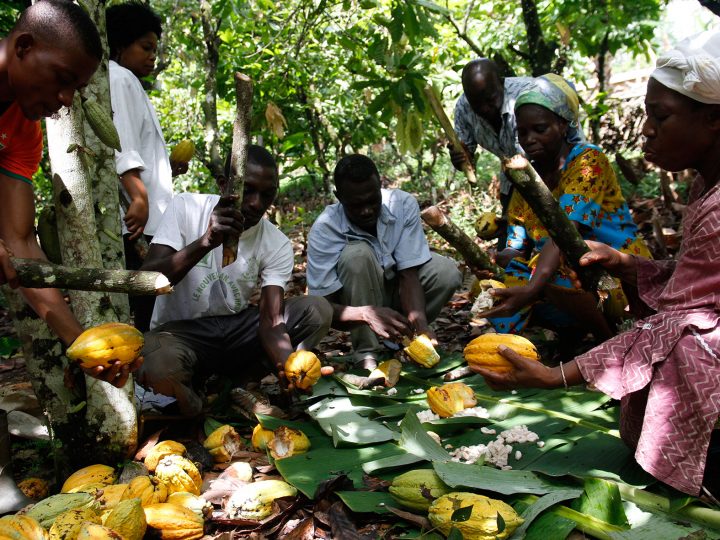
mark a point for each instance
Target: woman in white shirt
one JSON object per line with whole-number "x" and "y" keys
{"x": 143, "y": 164}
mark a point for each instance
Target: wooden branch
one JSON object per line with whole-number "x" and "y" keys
{"x": 565, "y": 235}
{"x": 37, "y": 274}
{"x": 475, "y": 258}
{"x": 238, "y": 158}
{"x": 437, "y": 108}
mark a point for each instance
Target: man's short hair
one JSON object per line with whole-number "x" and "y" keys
{"x": 354, "y": 168}
{"x": 257, "y": 155}
{"x": 484, "y": 66}
{"x": 58, "y": 22}
{"x": 126, "y": 23}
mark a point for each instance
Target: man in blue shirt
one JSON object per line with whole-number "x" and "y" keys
{"x": 368, "y": 255}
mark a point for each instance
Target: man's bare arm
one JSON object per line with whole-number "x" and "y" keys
{"x": 17, "y": 229}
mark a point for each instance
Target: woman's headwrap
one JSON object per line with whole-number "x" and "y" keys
{"x": 554, "y": 93}
{"x": 692, "y": 68}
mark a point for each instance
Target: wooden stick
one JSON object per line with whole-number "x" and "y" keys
{"x": 238, "y": 157}
{"x": 447, "y": 126}
{"x": 527, "y": 181}
{"x": 38, "y": 274}
{"x": 476, "y": 259}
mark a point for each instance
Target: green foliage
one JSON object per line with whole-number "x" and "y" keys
{"x": 348, "y": 76}
{"x": 9, "y": 11}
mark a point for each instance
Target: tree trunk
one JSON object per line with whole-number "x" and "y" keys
{"x": 110, "y": 412}
{"x": 541, "y": 54}
{"x": 104, "y": 181}
{"x": 210, "y": 25}
{"x": 46, "y": 363}
{"x": 314, "y": 128}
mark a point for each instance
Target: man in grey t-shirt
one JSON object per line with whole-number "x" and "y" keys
{"x": 368, "y": 255}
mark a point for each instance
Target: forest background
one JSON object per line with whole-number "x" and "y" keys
{"x": 335, "y": 77}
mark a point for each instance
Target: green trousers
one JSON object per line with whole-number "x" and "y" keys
{"x": 366, "y": 284}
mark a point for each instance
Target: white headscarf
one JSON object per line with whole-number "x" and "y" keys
{"x": 692, "y": 68}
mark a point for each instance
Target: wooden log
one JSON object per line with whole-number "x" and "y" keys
{"x": 38, "y": 274}
{"x": 447, "y": 126}
{"x": 475, "y": 258}
{"x": 238, "y": 158}
{"x": 565, "y": 235}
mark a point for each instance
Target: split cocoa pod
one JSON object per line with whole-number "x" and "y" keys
{"x": 106, "y": 344}
{"x": 450, "y": 398}
{"x": 287, "y": 442}
{"x": 421, "y": 351}
{"x": 482, "y": 352}
{"x": 224, "y": 443}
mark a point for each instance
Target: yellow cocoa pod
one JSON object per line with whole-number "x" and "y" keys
{"x": 486, "y": 225}
{"x": 110, "y": 496}
{"x": 483, "y": 522}
{"x": 127, "y": 519}
{"x": 302, "y": 369}
{"x": 106, "y": 344}
{"x": 21, "y": 527}
{"x": 162, "y": 449}
{"x": 34, "y": 488}
{"x": 183, "y": 151}
{"x": 417, "y": 489}
{"x": 67, "y": 525}
{"x": 97, "y": 475}
{"x": 101, "y": 123}
{"x": 95, "y": 531}
{"x": 254, "y": 501}
{"x": 482, "y": 351}
{"x": 422, "y": 351}
{"x": 261, "y": 437}
{"x": 389, "y": 370}
{"x": 288, "y": 442}
{"x": 223, "y": 444}
{"x": 179, "y": 474}
{"x": 173, "y": 522}
{"x": 148, "y": 489}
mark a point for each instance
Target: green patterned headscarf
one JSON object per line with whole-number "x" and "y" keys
{"x": 554, "y": 93}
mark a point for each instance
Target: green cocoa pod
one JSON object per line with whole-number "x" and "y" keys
{"x": 102, "y": 124}
{"x": 418, "y": 489}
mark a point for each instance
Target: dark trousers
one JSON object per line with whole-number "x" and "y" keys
{"x": 141, "y": 307}
{"x": 179, "y": 355}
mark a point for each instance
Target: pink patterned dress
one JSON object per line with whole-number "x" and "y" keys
{"x": 666, "y": 370}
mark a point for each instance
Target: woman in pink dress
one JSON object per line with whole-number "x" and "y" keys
{"x": 666, "y": 370}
